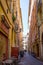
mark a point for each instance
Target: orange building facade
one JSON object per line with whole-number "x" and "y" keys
{"x": 33, "y": 28}
{"x": 35, "y": 20}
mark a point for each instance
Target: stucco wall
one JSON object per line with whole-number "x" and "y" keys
{"x": 41, "y": 45}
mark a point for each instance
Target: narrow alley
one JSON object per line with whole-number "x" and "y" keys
{"x": 28, "y": 59}
{"x": 21, "y": 32}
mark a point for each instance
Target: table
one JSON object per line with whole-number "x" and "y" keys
{"x": 8, "y": 62}
{"x": 15, "y": 60}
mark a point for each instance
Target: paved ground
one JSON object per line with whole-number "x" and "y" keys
{"x": 29, "y": 60}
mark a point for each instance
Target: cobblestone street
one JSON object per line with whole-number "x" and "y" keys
{"x": 29, "y": 60}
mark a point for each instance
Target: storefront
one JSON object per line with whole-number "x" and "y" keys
{"x": 4, "y": 33}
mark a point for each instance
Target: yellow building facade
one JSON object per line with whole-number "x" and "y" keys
{"x": 7, "y": 34}
{"x": 19, "y": 23}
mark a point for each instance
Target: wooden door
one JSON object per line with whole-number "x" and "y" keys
{"x": 3, "y": 45}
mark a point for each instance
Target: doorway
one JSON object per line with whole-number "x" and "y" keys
{"x": 3, "y": 45}
{"x": 37, "y": 47}
{"x": 42, "y": 44}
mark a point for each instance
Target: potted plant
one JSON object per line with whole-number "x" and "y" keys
{"x": 13, "y": 17}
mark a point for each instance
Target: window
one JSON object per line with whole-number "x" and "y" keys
{"x": 9, "y": 4}
{"x": 39, "y": 5}
{"x": 16, "y": 14}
